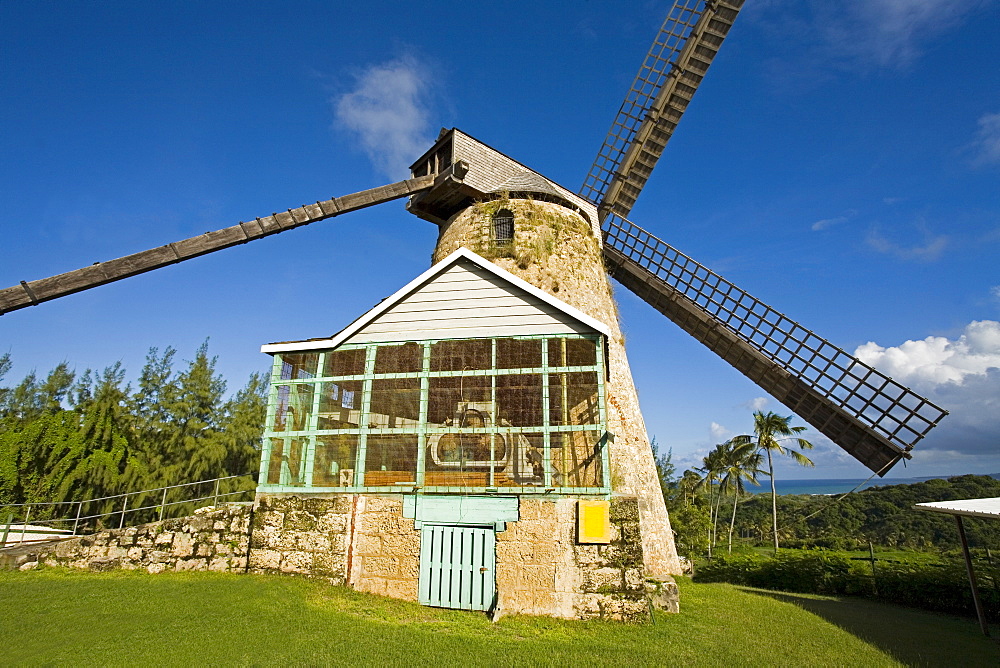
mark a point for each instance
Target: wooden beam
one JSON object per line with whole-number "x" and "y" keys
{"x": 30, "y": 293}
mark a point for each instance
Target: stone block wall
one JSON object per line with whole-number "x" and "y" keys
{"x": 213, "y": 539}
{"x": 358, "y": 540}
{"x": 542, "y": 570}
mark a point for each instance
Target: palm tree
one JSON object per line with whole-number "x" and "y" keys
{"x": 740, "y": 464}
{"x": 769, "y": 430}
{"x": 712, "y": 466}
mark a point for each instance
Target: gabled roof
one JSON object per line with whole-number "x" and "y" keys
{"x": 544, "y": 303}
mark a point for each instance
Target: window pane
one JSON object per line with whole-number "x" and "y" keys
{"x": 335, "y": 459}
{"x": 287, "y": 466}
{"x": 297, "y": 366}
{"x": 519, "y": 400}
{"x": 344, "y": 362}
{"x": 450, "y": 397}
{"x": 407, "y": 358}
{"x": 391, "y": 459}
{"x": 470, "y": 354}
{"x": 465, "y": 459}
{"x": 395, "y": 403}
{"x": 525, "y": 465}
{"x": 572, "y": 352}
{"x": 503, "y": 227}
{"x": 294, "y": 405}
{"x": 573, "y": 398}
{"x": 581, "y": 352}
{"x": 340, "y": 405}
{"x": 519, "y": 353}
{"x": 576, "y": 459}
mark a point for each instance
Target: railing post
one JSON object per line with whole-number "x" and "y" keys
{"x": 163, "y": 503}
{"x": 215, "y": 501}
{"x": 79, "y": 511}
{"x": 24, "y": 527}
{"x": 121, "y": 523}
{"x": 6, "y": 528}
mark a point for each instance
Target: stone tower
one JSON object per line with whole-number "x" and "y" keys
{"x": 554, "y": 243}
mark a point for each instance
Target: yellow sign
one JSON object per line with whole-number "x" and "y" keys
{"x": 593, "y": 522}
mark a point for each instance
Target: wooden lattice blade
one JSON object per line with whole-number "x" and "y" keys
{"x": 872, "y": 417}
{"x": 673, "y": 69}
{"x": 29, "y": 293}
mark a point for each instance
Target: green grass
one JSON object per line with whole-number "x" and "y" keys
{"x": 126, "y": 618}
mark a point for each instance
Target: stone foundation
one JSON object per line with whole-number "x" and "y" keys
{"x": 365, "y": 542}
{"x": 213, "y": 539}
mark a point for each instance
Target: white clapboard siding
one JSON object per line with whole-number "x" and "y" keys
{"x": 467, "y": 301}
{"x": 462, "y": 296}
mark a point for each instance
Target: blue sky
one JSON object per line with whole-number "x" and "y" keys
{"x": 841, "y": 162}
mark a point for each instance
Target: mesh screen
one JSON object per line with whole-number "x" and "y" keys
{"x": 406, "y": 358}
{"x": 461, "y": 355}
{"x": 298, "y": 366}
{"x": 576, "y": 459}
{"x": 395, "y": 403}
{"x": 334, "y": 461}
{"x": 340, "y": 405}
{"x": 446, "y": 395}
{"x": 344, "y": 362}
{"x": 519, "y": 399}
{"x": 484, "y": 421}
{"x": 390, "y": 460}
{"x": 519, "y": 353}
{"x": 287, "y": 465}
{"x": 573, "y": 399}
{"x": 293, "y": 408}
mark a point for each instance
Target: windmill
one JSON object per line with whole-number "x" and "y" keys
{"x": 552, "y": 249}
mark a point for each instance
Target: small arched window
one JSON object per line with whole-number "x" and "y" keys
{"x": 503, "y": 227}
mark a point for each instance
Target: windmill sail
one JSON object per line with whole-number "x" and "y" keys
{"x": 30, "y": 293}
{"x": 865, "y": 412}
{"x": 676, "y": 63}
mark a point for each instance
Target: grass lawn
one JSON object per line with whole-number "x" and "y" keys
{"x": 126, "y": 618}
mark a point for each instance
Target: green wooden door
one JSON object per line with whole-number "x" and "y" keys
{"x": 457, "y": 566}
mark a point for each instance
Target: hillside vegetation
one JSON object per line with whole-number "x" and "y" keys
{"x": 883, "y": 515}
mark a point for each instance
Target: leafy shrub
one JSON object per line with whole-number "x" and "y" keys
{"x": 939, "y": 587}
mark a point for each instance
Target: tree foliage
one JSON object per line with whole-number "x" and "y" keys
{"x": 70, "y": 437}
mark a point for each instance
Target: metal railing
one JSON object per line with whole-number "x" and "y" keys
{"x": 63, "y": 519}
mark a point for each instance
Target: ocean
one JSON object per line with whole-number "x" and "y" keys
{"x": 834, "y": 485}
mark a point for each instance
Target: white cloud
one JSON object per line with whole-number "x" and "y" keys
{"x": 937, "y": 359}
{"x": 995, "y": 292}
{"x": 756, "y": 404}
{"x": 888, "y": 33}
{"x": 388, "y": 114}
{"x": 827, "y": 222}
{"x": 719, "y": 433}
{"x": 930, "y": 250}
{"x": 961, "y": 375}
{"x": 855, "y": 35}
{"x": 987, "y": 142}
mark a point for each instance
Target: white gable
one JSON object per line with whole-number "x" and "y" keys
{"x": 463, "y": 296}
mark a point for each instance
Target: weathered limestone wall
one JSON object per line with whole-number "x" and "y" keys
{"x": 558, "y": 251}
{"x": 213, "y": 539}
{"x": 303, "y": 536}
{"x": 542, "y": 570}
{"x": 358, "y": 540}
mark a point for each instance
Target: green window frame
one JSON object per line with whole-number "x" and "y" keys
{"x": 553, "y": 451}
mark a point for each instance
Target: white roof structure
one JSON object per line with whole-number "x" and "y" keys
{"x": 462, "y": 296}
{"x": 965, "y": 507}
